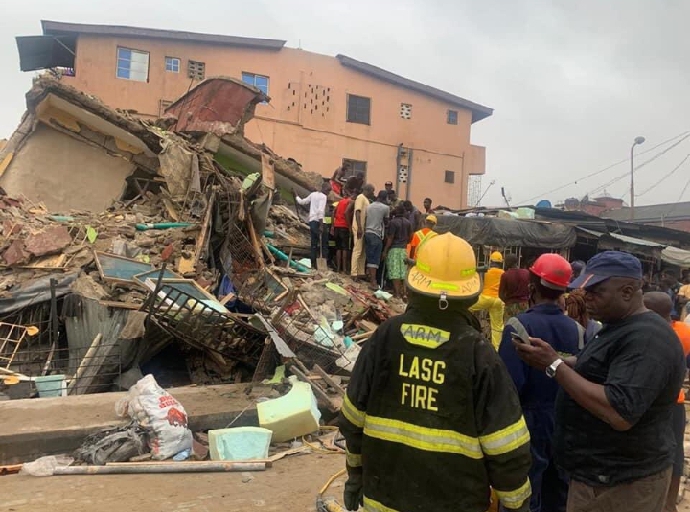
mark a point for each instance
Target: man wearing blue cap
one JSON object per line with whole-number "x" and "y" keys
{"x": 614, "y": 428}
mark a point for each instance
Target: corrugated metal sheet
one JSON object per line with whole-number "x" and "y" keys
{"x": 85, "y": 319}
{"x": 634, "y": 241}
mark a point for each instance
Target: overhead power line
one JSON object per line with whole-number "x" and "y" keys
{"x": 685, "y": 135}
{"x": 627, "y": 173}
{"x": 665, "y": 177}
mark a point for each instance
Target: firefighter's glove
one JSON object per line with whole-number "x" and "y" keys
{"x": 354, "y": 490}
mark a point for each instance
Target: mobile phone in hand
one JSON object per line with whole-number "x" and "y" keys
{"x": 519, "y": 338}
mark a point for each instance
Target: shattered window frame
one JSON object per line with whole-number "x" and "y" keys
{"x": 261, "y": 82}
{"x": 196, "y": 70}
{"x": 358, "y": 109}
{"x": 173, "y": 64}
{"x": 355, "y": 167}
{"x": 132, "y": 64}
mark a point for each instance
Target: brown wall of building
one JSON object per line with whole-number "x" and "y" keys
{"x": 306, "y": 118}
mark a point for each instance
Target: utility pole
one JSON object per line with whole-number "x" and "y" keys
{"x": 638, "y": 140}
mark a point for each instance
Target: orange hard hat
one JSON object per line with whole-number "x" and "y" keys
{"x": 554, "y": 271}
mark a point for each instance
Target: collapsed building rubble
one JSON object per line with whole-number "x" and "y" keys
{"x": 136, "y": 238}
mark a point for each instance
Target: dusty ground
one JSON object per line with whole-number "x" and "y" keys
{"x": 290, "y": 485}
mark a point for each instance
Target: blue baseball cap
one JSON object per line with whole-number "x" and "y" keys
{"x": 608, "y": 264}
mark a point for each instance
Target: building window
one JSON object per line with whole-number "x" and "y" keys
{"x": 452, "y": 117}
{"x": 406, "y": 111}
{"x": 358, "y": 109}
{"x": 356, "y": 166}
{"x": 172, "y": 64}
{"x": 132, "y": 65}
{"x": 196, "y": 70}
{"x": 450, "y": 177}
{"x": 162, "y": 105}
{"x": 258, "y": 81}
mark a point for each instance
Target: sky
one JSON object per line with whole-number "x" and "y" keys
{"x": 572, "y": 82}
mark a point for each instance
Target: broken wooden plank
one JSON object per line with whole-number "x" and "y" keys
{"x": 119, "y": 305}
{"x": 84, "y": 365}
{"x": 11, "y": 469}
{"x": 268, "y": 172}
{"x": 201, "y": 241}
{"x": 170, "y": 208}
{"x": 320, "y": 371}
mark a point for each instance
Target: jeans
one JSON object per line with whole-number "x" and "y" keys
{"x": 316, "y": 242}
{"x": 373, "y": 246}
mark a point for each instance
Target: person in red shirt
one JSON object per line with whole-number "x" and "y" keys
{"x": 513, "y": 289}
{"x": 341, "y": 234}
{"x": 661, "y": 304}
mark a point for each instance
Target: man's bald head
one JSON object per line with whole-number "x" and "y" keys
{"x": 660, "y": 303}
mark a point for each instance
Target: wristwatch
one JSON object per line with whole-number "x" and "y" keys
{"x": 551, "y": 369}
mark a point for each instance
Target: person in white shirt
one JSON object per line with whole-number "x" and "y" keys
{"x": 317, "y": 211}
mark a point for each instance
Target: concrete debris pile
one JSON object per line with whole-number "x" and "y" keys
{"x": 121, "y": 239}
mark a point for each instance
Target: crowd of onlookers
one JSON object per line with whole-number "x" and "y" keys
{"x": 370, "y": 235}
{"x": 606, "y": 299}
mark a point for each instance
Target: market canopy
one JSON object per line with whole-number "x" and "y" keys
{"x": 676, "y": 256}
{"x": 507, "y": 233}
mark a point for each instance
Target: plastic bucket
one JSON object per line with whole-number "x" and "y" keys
{"x": 50, "y": 385}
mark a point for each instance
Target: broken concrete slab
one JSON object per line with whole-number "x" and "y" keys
{"x": 33, "y": 428}
{"x": 10, "y": 228}
{"x": 48, "y": 241}
{"x": 15, "y": 254}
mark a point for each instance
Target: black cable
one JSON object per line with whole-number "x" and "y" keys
{"x": 637, "y": 168}
{"x": 686, "y": 134}
{"x": 665, "y": 177}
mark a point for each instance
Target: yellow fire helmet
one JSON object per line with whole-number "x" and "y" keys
{"x": 496, "y": 257}
{"x": 445, "y": 268}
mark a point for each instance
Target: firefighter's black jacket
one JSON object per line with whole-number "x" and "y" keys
{"x": 432, "y": 418}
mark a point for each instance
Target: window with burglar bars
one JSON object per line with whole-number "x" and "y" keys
{"x": 356, "y": 166}
{"x": 132, "y": 65}
{"x": 452, "y": 117}
{"x": 358, "y": 109}
{"x": 196, "y": 70}
{"x": 450, "y": 177}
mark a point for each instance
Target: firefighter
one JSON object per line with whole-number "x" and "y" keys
{"x": 489, "y": 299}
{"x": 431, "y": 417}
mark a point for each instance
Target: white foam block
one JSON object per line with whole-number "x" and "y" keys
{"x": 292, "y": 415}
{"x": 241, "y": 443}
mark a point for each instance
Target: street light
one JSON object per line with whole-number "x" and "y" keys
{"x": 638, "y": 140}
